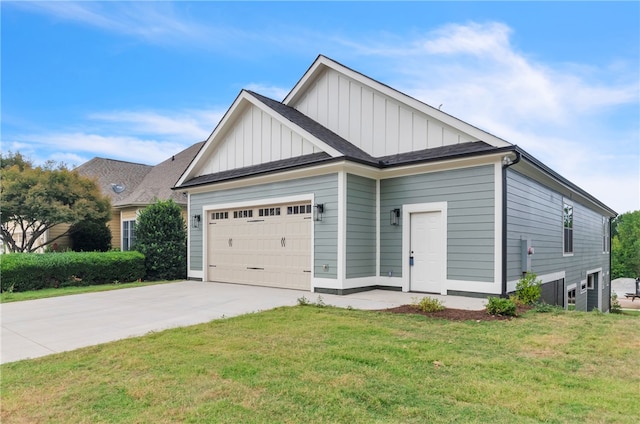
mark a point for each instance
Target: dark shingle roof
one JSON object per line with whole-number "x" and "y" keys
{"x": 319, "y": 131}
{"x": 349, "y": 151}
{"x": 437, "y": 153}
{"x": 126, "y": 175}
{"x": 158, "y": 183}
{"x": 264, "y": 168}
{"x": 422, "y": 156}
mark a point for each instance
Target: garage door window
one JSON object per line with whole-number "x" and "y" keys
{"x": 296, "y": 210}
{"x": 269, "y": 212}
{"x": 247, "y": 213}
{"x": 219, "y": 215}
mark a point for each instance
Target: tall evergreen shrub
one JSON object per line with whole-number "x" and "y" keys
{"x": 90, "y": 236}
{"x": 161, "y": 236}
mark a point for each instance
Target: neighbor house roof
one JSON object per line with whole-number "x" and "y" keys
{"x": 131, "y": 184}
{"x": 160, "y": 179}
{"x": 117, "y": 179}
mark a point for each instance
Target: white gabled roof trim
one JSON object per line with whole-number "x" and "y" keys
{"x": 233, "y": 113}
{"x": 324, "y": 62}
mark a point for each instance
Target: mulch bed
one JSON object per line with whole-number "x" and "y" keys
{"x": 454, "y": 314}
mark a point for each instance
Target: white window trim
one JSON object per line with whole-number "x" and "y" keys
{"x": 573, "y": 226}
{"x": 122, "y": 225}
{"x": 606, "y": 235}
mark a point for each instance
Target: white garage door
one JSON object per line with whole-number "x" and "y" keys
{"x": 265, "y": 246}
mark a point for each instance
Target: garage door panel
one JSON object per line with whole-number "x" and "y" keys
{"x": 271, "y": 247}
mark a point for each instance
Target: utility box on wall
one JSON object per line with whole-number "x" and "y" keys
{"x": 527, "y": 253}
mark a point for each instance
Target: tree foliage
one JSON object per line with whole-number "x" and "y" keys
{"x": 161, "y": 236}
{"x": 625, "y": 245}
{"x": 35, "y": 199}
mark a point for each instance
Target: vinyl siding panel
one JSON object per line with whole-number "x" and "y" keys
{"x": 470, "y": 198}
{"x": 361, "y": 227}
{"x": 255, "y": 138}
{"x": 325, "y": 190}
{"x": 377, "y": 124}
{"x": 534, "y": 212}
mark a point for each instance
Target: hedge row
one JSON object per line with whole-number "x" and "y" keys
{"x": 32, "y": 271}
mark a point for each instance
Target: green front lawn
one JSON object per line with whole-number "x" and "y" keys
{"x": 308, "y": 364}
{"x": 6, "y": 297}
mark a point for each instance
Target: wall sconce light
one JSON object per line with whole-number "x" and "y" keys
{"x": 394, "y": 217}
{"x": 318, "y": 210}
{"x": 195, "y": 221}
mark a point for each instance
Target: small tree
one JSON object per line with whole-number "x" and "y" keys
{"x": 35, "y": 199}
{"x": 625, "y": 245}
{"x": 161, "y": 236}
{"x": 90, "y": 236}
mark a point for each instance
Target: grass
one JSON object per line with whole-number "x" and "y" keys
{"x": 7, "y": 297}
{"x": 329, "y": 365}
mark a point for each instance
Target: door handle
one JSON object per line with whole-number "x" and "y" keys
{"x": 283, "y": 242}
{"x": 230, "y": 242}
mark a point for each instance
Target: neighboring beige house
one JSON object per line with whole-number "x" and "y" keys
{"x": 131, "y": 187}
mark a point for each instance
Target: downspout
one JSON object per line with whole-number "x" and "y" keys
{"x": 506, "y": 164}
{"x": 609, "y": 248}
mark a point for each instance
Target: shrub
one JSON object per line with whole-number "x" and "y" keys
{"x": 429, "y": 304}
{"x": 90, "y": 236}
{"x": 543, "y": 307}
{"x": 528, "y": 289}
{"x": 615, "y": 305}
{"x": 500, "y": 306}
{"x": 31, "y": 271}
{"x": 161, "y": 237}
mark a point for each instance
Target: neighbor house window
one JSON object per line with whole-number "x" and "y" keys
{"x": 567, "y": 219}
{"x": 128, "y": 234}
{"x": 605, "y": 234}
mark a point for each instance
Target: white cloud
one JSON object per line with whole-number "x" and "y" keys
{"x": 152, "y": 21}
{"x": 563, "y": 114}
{"x": 146, "y": 136}
{"x": 274, "y": 92}
{"x": 185, "y": 125}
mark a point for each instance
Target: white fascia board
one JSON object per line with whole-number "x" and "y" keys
{"x": 324, "y": 62}
{"x": 209, "y": 143}
{"x": 284, "y": 121}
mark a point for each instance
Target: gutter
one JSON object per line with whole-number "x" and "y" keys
{"x": 505, "y": 165}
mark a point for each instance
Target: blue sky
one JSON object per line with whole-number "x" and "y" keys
{"x": 140, "y": 81}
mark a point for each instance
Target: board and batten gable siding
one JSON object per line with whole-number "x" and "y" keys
{"x": 255, "y": 138}
{"x": 374, "y": 122}
{"x": 361, "y": 227}
{"x": 325, "y": 190}
{"x": 470, "y": 197}
{"x": 535, "y": 212}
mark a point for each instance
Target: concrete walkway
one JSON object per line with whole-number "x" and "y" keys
{"x": 37, "y": 328}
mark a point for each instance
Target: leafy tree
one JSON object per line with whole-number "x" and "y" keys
{"x": 625, "y": 246}
{"x": 90, "y": 236}
{"x": 35, "y": 199}
{"x": 161, "y": 235}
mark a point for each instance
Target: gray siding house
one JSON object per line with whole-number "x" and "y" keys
{"x": 349, "y": 185}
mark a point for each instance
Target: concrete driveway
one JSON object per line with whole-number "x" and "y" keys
{"x": 42, "y": 327}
